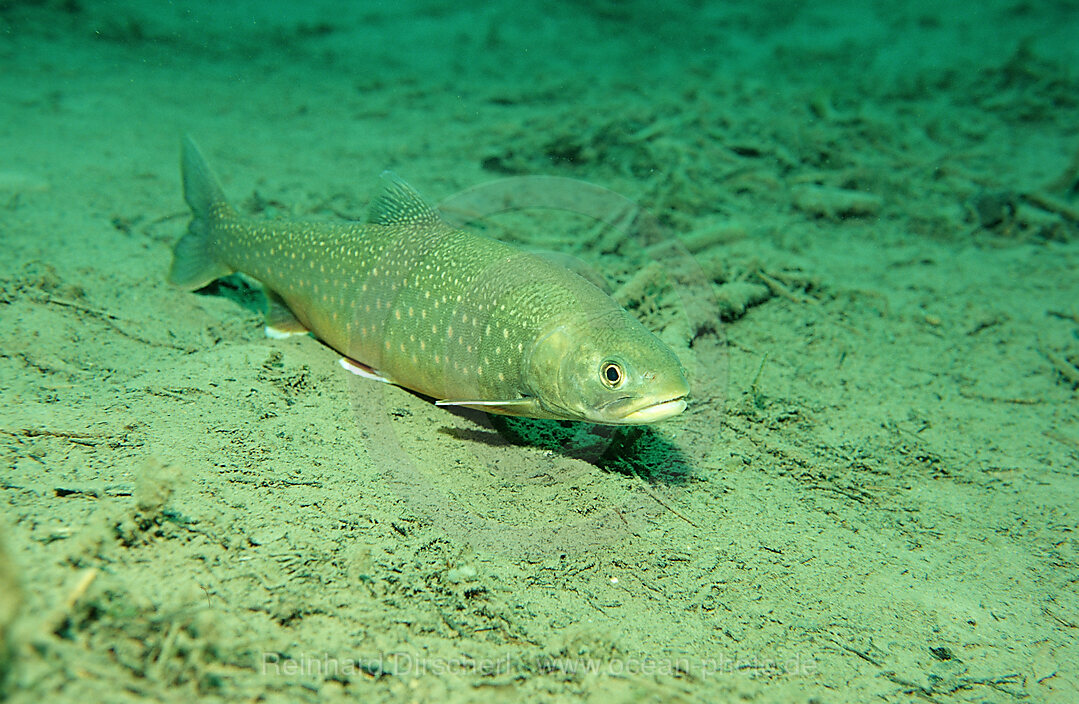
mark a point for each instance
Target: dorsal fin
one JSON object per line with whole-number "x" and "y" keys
{"x": 400, "y": 204}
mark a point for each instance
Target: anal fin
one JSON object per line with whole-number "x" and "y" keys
{"x": 281, "y": 322}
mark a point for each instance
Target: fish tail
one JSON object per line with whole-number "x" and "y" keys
{"x": 195, "y": 262}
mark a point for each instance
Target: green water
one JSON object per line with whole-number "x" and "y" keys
{"x": 855, "y": 223}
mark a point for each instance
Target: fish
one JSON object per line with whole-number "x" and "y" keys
{"x": 410, "y": 300}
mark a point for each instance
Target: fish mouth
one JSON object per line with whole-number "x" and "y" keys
{"x": 656, "y": 411}
{"x": 650, "y": 413}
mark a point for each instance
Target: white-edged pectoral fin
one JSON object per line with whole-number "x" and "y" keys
{"x": 360, "y": 369}
{"x": 525, "y": 406}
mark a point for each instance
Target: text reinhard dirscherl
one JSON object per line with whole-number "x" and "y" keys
{"x": 409, "y": 664}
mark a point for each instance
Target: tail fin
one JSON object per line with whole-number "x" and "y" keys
{"x": 194, "y": 262}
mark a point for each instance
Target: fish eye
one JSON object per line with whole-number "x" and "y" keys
{"x": 612, "y": 374}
